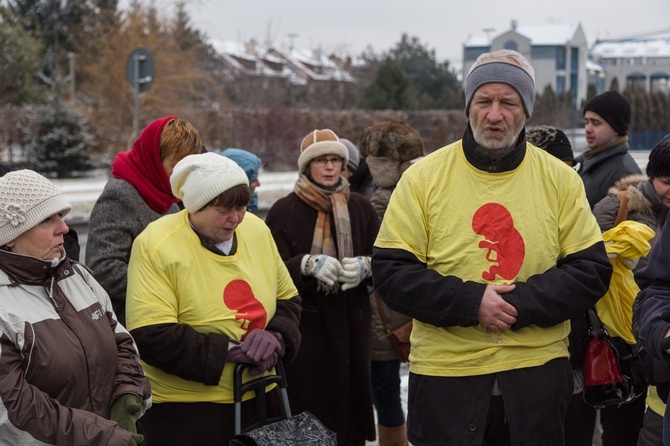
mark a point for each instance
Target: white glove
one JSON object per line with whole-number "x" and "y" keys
{"x": 628, "y": 263}
{"x": 322, "y": 267}
{"x": 355, "y": 270}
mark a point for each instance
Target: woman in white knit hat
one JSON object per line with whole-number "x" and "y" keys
{"x": 325, "y": 234}
{"x": 69, "y": 373}
{"x": 200, "y": 282}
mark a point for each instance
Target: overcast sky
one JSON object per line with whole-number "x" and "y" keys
{"x": 351, "y": 25}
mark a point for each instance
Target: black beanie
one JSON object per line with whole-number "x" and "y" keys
{"x": 659, "y": 159}
{"x": 613, "y": 108}
{"x": 552, "y": 140}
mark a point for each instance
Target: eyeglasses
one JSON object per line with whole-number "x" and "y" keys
{"x": 323, "y": 161}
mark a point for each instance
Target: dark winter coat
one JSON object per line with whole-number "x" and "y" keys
{"x": 381, "y": 348}
{"x": 654, "y": 298}
{"x": 117, "y": 218}
{"x": 330, "y": 377}
{"x": 600, "y": 172}
{"x": 644, "y": 206}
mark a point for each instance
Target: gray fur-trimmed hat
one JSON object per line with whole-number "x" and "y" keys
{"x": 27, "y": 199}
{"x": 319, "y": 143}
{"x": 389, "y": 148}
{"x": 392, "y": 139}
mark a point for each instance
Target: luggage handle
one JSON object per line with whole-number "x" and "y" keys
{"x": 257, "y": 385}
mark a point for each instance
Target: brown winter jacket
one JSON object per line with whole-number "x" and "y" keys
{"x": 63, "y": 358}
{"x": 644, "y": 206}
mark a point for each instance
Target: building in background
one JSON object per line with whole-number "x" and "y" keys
{"x": 635, "y": 63}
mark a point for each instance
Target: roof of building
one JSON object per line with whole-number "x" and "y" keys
{"x": 547, "y": 34}
{"x": 659, "y": 47}
{"x": 251, "y": 59}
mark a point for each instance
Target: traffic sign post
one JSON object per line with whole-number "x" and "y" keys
{"x": 140, "y": 75}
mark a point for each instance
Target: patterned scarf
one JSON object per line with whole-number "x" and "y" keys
{"x": 324, "y": 202}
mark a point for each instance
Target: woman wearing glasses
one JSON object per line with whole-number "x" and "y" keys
{"x": 324, "y": 234}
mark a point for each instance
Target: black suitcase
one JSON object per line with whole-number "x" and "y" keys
{"x": 303, "y": 429}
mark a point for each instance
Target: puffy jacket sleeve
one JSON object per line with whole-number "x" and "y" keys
{"x": 30, "y": 417}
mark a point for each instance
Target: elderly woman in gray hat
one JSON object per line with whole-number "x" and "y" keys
{"x": 69, "y": 372}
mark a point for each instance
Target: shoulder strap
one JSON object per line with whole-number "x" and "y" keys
{"x": 623, "y": 207}
{"x": 380, "y": 310}
{"x": 596, "y": 327}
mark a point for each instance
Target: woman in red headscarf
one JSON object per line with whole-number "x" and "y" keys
{"x": 138, "y": 193}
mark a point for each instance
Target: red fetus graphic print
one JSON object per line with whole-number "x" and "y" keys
{"x": 238, "y": 296}
{"x": 505, "y": 247}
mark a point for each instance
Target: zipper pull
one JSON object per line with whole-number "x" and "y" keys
{"x": 51, "y": 293}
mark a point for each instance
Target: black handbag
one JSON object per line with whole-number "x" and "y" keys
{"x": 303, "y": 429}
{"x": 612, "y": 369}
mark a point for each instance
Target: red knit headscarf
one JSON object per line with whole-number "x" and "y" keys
{"x": 142, "y": 167}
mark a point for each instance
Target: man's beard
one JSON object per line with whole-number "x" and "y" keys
{"x": 494, "y": 147}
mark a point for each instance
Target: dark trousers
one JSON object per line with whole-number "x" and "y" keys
{"x": 205, "y": 424}
{"x": 621, "y": 425}
{"x": 580, "y": 422}
{"x": 651, "y": 433}
{"x": 385, "y": 379}
{"x": 454, "y": 411}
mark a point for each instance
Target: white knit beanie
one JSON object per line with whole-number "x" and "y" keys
{"x": 319, "y": 143}
{"x": 26, "y": 200}
{"x": 198, "y": 179}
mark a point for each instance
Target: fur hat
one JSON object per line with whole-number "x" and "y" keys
{"x": 319, "y": 143}
{"x": 392, "y": 139}
{"x": 27, "y": 199}
{"x": 614, "y": 108}
{"x": 198, "y": 179}
{"x": 354, "y": 157}
{"x": 389, "y": 149}
{"x": 552, "y": 140}
{"x": 659, "y": 159}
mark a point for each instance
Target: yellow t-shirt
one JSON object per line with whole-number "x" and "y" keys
{"x": 172, "y": 278}
{"x": 485, "y": 227}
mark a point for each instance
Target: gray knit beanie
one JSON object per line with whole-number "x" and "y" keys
{"x": 504, "y": 73}
{"x": 26, "y": 200}
{"x": 354, "y": 157}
